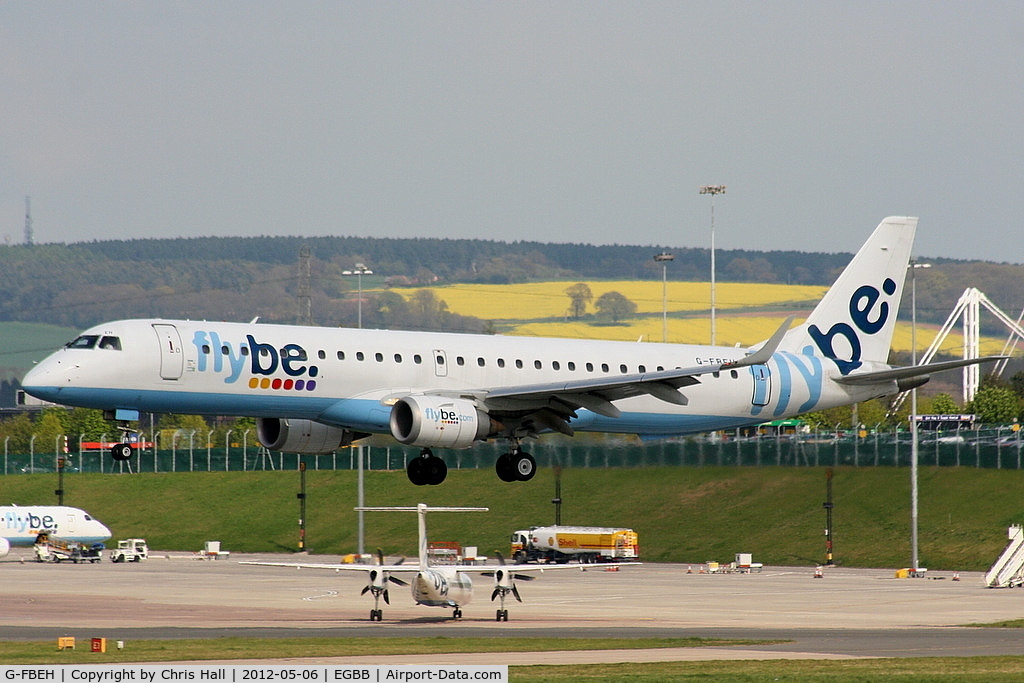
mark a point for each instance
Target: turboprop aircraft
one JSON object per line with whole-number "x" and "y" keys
{"x": 19, "y": 526}
{"x": 315, "y": 389}
{"x": 434, "y": 585}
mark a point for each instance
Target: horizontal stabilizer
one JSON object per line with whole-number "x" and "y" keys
{"x": 895, "y": 374}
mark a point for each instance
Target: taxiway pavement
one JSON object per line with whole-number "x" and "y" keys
{"x": 846, "y": 613}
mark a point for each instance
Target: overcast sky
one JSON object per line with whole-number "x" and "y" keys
{"x": 554, "y": 121}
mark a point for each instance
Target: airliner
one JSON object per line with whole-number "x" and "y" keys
{"x": 19, "y": 526}
{"x": 315, "y": 389}
{"x": 448, "y": 586}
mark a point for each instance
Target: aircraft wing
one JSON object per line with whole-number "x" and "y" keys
{"x": 556, "y": 402}
{"x": 389, "y": 568}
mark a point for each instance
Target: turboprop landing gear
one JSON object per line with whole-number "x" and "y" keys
{"x": 426, "y": 469}
{"x": 518, "y": 465}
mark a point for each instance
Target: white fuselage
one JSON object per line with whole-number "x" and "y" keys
{"x": 21, "y": 525}
{"x": 351, "y": 378}
{"x": 441, "y": 587}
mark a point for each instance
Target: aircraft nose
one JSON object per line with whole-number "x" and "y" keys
{"x": 45, "y": 380}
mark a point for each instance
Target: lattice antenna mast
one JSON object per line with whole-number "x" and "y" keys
{"x": 305, "y": 295}
{"x": 29, "y": 238}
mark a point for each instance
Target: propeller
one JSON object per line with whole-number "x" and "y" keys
{"x": 379, "y": 578}
{"x": 504, "y": 581}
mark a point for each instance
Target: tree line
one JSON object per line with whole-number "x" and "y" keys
{"x": 238, "y": 278}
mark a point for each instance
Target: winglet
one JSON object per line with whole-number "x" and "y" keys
{"x": 763, "y": 354}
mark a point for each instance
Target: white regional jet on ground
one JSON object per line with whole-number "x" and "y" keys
{"x": 434, "y": 585}
{"x": 315, "y": 389}
{"x": 19, "y": 526}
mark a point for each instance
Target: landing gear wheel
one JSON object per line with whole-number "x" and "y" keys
{"x": 376, "y": 614}
{"x": 121, "y": 451}
{"x": 525, "y": 466}
{"x": 435, "y": 470}
{"x": 501, "y": 615}
{"x": 503, "y": 466}
{"x": 457, "y": 614}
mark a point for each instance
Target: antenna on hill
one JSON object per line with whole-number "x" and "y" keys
{"x": 29, "y": 240}
{"x": 305, "y": 295}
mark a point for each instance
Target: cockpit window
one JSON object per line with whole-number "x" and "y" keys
{"x": 86, "y": 341}
{"x": 112, "y": 343}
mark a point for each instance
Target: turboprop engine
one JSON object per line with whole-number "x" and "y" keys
{"x": 301, "y": 436}
{"x": 429, "y": 421}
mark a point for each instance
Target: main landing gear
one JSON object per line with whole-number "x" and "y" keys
{"x": 516, "y": 466}
{"x": 426, "y": 469}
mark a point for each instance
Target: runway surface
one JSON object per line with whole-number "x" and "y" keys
{"x": 847, "y": 613}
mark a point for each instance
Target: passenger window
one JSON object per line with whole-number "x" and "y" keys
{"x": 623, "y": 369}
{"x": 642, "y": 369}
{"x": 555, "y": 365}
{"x": 734, "y": 374}
{"x": 604, "y": 367}
{"x": 112, "y": 343}
{"x": 359, "y": 355}
{"x": 379, "y": 357}
{"x": 459, "y": 360}
{"x": 206, "y": 348}
{"x": 244, "y": 350}
{"x": 501, "y": 362}
{"x": 519, "y": 364}
{"x": 571, "y": 366}
{"x": 440, "y": 360}
{"x": 225, "y": 350}
{"x": 321, "y": 354}
{"x": 537, "y": 364}
{"x": 590, "y": 367}
{"x": 417, "y": 359}
{"x": 341, "y": 355}
{"x": 398, "y": 358}
{"x": 480, "y": 362}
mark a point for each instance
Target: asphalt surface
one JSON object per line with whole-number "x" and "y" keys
{"x": 848, "y": 613}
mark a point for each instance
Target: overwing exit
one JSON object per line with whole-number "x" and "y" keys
{"x": 314, "y": 390}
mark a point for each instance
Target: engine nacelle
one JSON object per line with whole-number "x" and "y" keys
{"x": 301, "y": 436}
{"x": 435, "y": 421}
{"x": 5, "y": 547}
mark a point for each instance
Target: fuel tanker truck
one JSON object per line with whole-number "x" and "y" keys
{"x": 584, "y": 544}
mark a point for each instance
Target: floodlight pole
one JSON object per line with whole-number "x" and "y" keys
{"x": 712, "y": 190}
{"x": 663, "y": 258}
{"x": 359, "y": 271}
{"x": 914, "y": 265}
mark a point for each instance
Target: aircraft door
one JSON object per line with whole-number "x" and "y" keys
{"x": 172, "y": 360}
{"x": 440, "y": 363}
{"x": 762, "y": 384}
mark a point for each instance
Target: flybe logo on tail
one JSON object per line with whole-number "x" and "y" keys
{"x": 869, "y": 313}
{"x": 269, "y": 367}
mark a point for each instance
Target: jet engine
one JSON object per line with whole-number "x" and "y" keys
{"x": 437, "y": 421}
{"x": 5, "y": 547}
{"x": 301, "y": 436}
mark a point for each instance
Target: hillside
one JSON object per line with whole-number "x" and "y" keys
{"x": 682, "y": 514}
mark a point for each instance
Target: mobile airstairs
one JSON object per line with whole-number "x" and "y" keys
{"x": 1008, "y": 571}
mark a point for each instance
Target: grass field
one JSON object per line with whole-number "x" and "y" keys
{"x": 682, "y": 514}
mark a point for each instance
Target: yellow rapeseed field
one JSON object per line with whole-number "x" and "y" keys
{"x": 746, "y": 313}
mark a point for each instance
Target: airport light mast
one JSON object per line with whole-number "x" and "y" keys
{"x": 712, "y": 190}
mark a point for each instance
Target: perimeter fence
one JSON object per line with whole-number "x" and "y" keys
{"x": 994, "y": 448}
